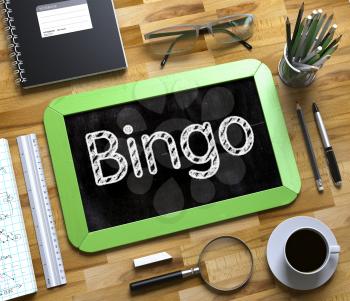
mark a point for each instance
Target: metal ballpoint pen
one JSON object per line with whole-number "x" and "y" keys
{"x": 329, "y": 153}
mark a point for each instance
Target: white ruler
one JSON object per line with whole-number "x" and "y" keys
{"x": 50, "y": 252}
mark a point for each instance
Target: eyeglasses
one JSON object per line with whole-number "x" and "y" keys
{"x": 182, "y": 38}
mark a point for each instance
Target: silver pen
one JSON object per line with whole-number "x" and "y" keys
{"x": 329, "y": 153}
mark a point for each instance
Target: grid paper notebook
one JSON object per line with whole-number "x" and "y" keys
{"x": 16, "y": 270}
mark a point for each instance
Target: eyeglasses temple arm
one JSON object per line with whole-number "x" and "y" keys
{"x": 149, "y": 36}
{"x": 241, "y": 41}
{"x": 166, "y": 56}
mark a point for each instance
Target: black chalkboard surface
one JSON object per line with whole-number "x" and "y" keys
{"x": 137, "y": 198}
{"x": 162, "y": 155}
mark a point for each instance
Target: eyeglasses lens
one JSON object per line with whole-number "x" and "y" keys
{"x": 233, "y": 29}
{"x": 172, "y": 40}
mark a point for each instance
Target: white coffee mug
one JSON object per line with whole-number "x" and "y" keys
{"x": 331, "y": 249}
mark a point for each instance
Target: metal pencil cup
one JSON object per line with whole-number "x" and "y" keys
{"x": 292, "y": 76}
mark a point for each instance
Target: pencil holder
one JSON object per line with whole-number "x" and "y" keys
{"x": 292, "y": 76}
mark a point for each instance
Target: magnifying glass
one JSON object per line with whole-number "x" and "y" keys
{"x": 225, "y": 265}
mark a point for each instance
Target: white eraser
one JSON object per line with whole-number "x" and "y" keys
{"x": 151, "y": 259}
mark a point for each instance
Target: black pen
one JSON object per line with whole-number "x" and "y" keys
{"x": 332, "y": 161}
{"x": 310, "y": 149}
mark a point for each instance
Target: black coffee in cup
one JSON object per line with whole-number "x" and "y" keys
{"x": 306, "y": 250}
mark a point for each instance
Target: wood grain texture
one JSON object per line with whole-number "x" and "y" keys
{"x": 106, "y": 275}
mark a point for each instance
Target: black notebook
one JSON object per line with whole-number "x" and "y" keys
{"x": 54, "y": 41}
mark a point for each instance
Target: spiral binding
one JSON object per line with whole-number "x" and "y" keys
{"x": 13, "y": 42}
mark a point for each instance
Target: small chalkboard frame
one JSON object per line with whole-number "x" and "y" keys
{"x": 67, "y": 183}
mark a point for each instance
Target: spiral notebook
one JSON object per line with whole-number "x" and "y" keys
{"x": 16, "y": 269}
{"x": 56, "y": 41}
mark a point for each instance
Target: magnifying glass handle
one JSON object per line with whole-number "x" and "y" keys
{"x": 134, "y": 286}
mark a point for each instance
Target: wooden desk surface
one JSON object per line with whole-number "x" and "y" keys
{"x": 105, "y": 276}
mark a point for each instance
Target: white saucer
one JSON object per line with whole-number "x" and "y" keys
{"x": 275, "y": 254}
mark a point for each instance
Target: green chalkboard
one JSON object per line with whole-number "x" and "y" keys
{"x": 154, "y": 157}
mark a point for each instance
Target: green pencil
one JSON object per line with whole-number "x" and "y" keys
{"x": 329, "y": 51}
{"x": 289, "y": 41}
{"x": 298, "y": 37}
{"x": 314, "y": 59}
{"x": 311, "y": 54}
{"x": 297, "y": 23}
{"x": 332, "y": 44}
{"x": 311, "y": 34}
{"x": 324, "y": 30}
{"x": 321, "y": 20}
{"x": 300, "y": 50}
{"x": 329, "y": 36}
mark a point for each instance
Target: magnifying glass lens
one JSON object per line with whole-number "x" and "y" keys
{"x": 226, "y": 264}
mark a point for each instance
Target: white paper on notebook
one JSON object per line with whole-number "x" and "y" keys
{"x": 16, "y": 269}
{"x": 63, "y": 17}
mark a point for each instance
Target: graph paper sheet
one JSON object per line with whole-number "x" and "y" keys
{"x": 16, "y": 270}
